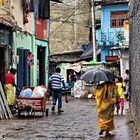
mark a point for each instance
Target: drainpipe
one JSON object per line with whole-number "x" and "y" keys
{"x": 48, "y": 49}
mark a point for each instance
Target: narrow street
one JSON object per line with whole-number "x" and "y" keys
{"x": 78, "y": 122}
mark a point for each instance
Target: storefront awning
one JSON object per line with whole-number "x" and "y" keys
{"x": 89, "y": 52}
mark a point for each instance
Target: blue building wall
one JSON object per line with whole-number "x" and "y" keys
{"x": 105, "y": 15}
{"x": 106, "y": 36}
{"x": 104, "y": 53}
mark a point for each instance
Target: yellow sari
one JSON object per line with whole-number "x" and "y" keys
{"x": 106, "y": 96}
{"x": 11, "y": 96}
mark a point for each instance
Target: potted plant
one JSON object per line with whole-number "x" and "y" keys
{"x": 120, "y": 37}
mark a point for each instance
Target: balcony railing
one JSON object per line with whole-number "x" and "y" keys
{"x": 112, "y": 58}
{"x": 112, "y": 38}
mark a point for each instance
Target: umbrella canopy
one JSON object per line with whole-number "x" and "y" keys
{"x": 98, "y": 75}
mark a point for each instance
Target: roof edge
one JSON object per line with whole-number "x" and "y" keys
{"x": 115, "y": 3}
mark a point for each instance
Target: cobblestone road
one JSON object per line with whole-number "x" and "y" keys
{"x": 78, "y": 122}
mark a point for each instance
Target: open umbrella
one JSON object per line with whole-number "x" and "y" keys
{"x": 98, "y": 75}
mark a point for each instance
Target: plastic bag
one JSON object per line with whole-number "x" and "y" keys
{"x": 39, "y": 91}
{"x": 26, "y": 93}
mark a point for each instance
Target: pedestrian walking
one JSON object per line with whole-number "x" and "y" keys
{"x": 106, "y": 97}
{"x": 126, "y": 80}
{"x": 9, "y": 87}
{"x": 72, "y": 78}
{"x": 56, "y": 82}
{"x": 121, "y": 88}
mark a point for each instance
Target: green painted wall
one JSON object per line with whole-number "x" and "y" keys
{"x": 27, "y": 41}
{"x": 22, "y": 40}
{"x": 64, "y": 67}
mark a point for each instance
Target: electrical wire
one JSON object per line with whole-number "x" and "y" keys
{"x": 83, "y": 13}
{"x": 68, "y": 17}
{"x": 68, "y": 12}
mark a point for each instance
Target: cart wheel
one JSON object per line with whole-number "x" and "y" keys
{"x": 47, "y": 112}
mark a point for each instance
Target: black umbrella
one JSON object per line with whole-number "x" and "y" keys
{"x": 98, "y": 75}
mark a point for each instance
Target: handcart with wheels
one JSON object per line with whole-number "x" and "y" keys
{"x": 31, "y": 105}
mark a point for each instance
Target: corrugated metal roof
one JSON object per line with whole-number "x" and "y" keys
{"x": 70, "y": 57}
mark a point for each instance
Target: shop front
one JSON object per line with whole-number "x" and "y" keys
{"x": 6, "y": 50}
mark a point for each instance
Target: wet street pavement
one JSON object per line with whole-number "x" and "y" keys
{"x": 78, "y": 122}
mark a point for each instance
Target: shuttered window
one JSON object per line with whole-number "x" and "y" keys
{"x": 117, "y": 18}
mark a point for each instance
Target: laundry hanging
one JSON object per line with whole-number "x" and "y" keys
{"x": 26, "y": 9}
{"x": 44, "y": 9}
{"x": 31, "y": 5}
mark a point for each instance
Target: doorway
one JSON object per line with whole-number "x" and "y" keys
{"x": 23, "y": 69}
{"x": 41, "y": 65}
{"x": 2, "y": 63}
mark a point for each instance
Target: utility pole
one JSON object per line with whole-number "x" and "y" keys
{"x": 93, "y": 29}
{"x": 75, "y": 25}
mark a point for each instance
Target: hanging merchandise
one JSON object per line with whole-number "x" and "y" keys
{"x": 36, "y": 7}
{"x": 44, "y": 9}
{"x": 31, "y": 59}
{"x": 31, "y": 6}
{"x": 26, "y": 9}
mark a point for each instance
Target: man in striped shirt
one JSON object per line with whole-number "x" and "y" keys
{"x": 57, "y": 81}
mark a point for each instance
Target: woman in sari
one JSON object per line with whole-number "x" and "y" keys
{"x": 106, "y": 97}
{"x": 9, "y": 87}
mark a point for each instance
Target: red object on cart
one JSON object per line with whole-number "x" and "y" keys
{"x": 31, "y": 105}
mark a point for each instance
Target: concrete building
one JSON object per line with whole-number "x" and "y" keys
{"x": 113, "y": 37}
{"x": 134, "y": 12}
{"x": 29, "y": 41}
{"x": 69, "y": 24}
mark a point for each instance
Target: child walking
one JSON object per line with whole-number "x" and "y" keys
{"x": 121, "y": 88}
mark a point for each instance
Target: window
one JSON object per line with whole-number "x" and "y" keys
{"x": 117, "y": 18}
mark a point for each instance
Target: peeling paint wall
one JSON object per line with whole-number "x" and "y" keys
{"x": 17, "y": 12}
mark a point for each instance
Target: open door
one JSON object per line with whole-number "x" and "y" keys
{"x": 2, "y": 63}
{"x": 23, "y": 69}
{"x": 41, "y": 65}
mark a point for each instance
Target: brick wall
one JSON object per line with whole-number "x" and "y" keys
{"x": 135, "y": 63}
